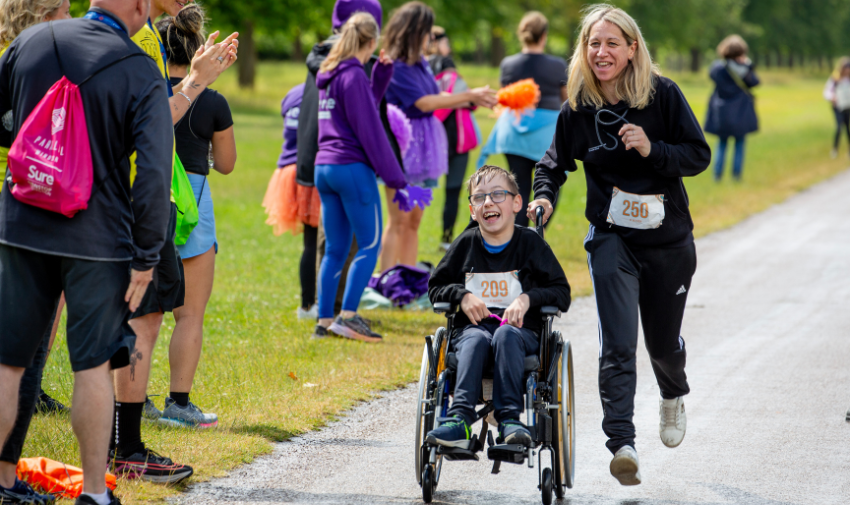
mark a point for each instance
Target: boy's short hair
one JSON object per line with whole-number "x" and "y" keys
{"x": 487, "y": 173}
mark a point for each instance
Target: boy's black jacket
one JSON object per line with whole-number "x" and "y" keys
{"x": 540, "y": 274}
{"x": 678, "y": 150}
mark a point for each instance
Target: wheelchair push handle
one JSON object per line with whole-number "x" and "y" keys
{"x": 539, "y": 212}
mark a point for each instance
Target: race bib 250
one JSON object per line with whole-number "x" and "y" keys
{"x": 640, "y": 212}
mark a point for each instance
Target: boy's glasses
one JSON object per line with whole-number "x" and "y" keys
{"x": 498, "y": 196}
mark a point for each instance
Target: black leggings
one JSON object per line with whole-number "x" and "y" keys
{"x": 454, "y": 186}
{"x": 308, "y": 267}
{"x": 842, "y": 118}
{"x": 523, "y": 170}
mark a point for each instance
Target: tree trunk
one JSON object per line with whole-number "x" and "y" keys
{"x": 497, "y": 47}
{"x": 829, "y": 62}
{"x": 696, "y": 57}
{"x": 479, "y": 51}
{"x": 790, "y": 59}
{"x": 247, "y": 55}
{"x": 297, "y": 49}
{"x": 767, "y": 59}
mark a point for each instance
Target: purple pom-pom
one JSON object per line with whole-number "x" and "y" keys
{"x": 400, "y": 126}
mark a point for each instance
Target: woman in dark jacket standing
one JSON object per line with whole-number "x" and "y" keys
{"x": 731, "y": 109}
{"x": 637, "y": 137}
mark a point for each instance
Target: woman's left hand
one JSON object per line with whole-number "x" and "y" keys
{"x": 634, "y": 137}
{"x": 384, "y": 59}
{"x": 516, "y": 310}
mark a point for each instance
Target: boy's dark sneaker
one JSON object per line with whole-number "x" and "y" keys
{"x": 354, "y": 328}
{"x": 150, "y": 466}
{"x": 23, "y": 493}
{"x": 453, "y": 432}
{"x": 48, "y": 405}
{"x": 320, "y": 331}
{"x": 514, "y": 432}
{"x": 85, "y": 499}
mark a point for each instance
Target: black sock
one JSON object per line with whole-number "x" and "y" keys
{"x": 181, "y": 399}
{"x": 127, "y": 435}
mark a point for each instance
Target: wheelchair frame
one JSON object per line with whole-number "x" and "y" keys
{"x": 549, "y": 405}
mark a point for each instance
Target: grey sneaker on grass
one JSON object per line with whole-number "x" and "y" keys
{"x": 354, "y": 328}
{"x": 150, "y": 412}
{"x": 188, "y": 416}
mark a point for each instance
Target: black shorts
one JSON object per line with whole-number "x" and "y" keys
{"x": 168, "y": 288}
{"x": 30, "y": 285}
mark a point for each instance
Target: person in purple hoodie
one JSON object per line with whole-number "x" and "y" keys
{"x": 350, "y": 154}
{"x": 292, "y": 206}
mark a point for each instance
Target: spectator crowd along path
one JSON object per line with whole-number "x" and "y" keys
{"x": 766, "y": 323}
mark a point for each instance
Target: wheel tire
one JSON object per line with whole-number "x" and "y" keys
{"x": 546, "y": 486}
{"x": 421, "y": 423}
{"x": 428, "y": 484}
{"x": 564, "y": 436}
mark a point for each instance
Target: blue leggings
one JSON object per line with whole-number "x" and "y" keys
{"x": 738, "y": 160}
{"x": 351, "y": 203}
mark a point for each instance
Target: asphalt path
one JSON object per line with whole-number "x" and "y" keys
{"x": 768, "y": 335}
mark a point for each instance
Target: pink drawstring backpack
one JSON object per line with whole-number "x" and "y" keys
{"x": 467, "y": 133}
{"x": 50, "y": 160}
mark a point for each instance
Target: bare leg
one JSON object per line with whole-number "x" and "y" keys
{"x": 91, "y": 419}
{"x": 393, "y": 234}
{"x": 131, "y": 382}
{"x": 10, "y": 382}
{"x": 184, "y": 354}
{"x": 410, "y": 242}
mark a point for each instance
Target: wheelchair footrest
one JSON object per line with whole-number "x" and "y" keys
{"x": 509, "y": 453}
{"x": 458, "y": 454}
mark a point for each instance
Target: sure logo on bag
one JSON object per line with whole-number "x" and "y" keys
{"x": 50, "y": 162}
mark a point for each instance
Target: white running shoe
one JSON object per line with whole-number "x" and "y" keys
{"x": 625, "y": 467}
{"x": 673, "y": 423}
{"x": 311, "y": 313}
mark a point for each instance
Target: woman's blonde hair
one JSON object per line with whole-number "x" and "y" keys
{"x": 844, "y": 61}
{"x": 359, "y": 30}
{"x": 732, "y": 47}
{"x": 636, "y": 84}
{"x": 532, "y": 27}
{"x": 18, "y": 15}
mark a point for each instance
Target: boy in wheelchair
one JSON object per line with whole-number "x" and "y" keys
{"x": 495, "y": 268}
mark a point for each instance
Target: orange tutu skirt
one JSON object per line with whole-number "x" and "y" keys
{"x": 290, "y": 205}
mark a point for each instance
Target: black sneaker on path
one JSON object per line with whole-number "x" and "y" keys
{"x": 150, "y": 466}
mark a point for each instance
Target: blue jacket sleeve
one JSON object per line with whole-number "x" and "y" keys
{"x": 366, "y": 124}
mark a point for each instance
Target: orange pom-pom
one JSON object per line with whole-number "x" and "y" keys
{"x": 519, "y": 96}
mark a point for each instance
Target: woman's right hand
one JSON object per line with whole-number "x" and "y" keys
{"x": 540, "y": 202}
{"x": 483, "y": 97}
{"x": 209, "y": 62}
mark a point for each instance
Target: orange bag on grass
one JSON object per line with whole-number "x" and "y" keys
{"x": 57, "y": 478}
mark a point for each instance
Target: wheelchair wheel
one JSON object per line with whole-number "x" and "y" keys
{"x": 428, "y": 483}
{"x": 424, "y": 421}
{"x": 546, "y": 486}
{"x": 566, "y": 438}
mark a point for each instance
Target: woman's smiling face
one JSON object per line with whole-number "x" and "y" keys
{"x": 608, "y": 51}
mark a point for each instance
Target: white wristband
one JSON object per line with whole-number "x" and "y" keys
{"x": 184, "y": 95}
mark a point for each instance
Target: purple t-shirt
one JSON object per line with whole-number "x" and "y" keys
{"x": 290, "y": 108}
{"x": 409, "y": 84}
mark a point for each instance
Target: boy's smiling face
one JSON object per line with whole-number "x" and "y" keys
{"x": 496, "y": 220}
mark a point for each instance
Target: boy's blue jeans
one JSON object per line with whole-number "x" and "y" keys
{"x": 505, "y": 347}
{"x": 738, "y": 160}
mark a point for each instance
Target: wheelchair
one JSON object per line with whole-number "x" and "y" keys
{"x": 549, "y": 407}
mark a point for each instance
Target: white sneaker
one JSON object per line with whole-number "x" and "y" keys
{"x": 311, "y": 313}
{"x": 673, "y": 423}
{"x": 625, "y": 467}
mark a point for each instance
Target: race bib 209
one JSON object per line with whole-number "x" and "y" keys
{"x": 640, "y": 212}
{"x": 497, "y": 290}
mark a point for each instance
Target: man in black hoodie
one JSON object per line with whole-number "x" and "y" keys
{"x": 308, "y": 122}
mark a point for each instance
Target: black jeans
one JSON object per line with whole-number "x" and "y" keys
{"x": 307, "y": 269}
{"x": 627, "y": 281}
{"x": 842, "y": 120}
{"x": 504, "y": 348}
{"x": 27, "y": 400}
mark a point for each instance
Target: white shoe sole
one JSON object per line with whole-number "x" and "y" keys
{"x": 625, "y": 470}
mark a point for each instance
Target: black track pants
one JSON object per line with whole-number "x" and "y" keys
{"x": 627, "y": 281}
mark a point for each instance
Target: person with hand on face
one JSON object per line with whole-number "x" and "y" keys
{"x": 497, "y": 271}
{"x": 637, "y": 137}
{"x": 103, "y": 257}
{"x": 415, "y": 91}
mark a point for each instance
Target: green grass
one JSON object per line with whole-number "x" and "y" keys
{"x": 253, "y": 341}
